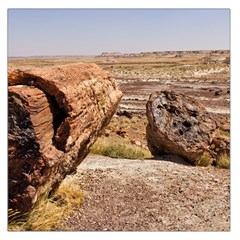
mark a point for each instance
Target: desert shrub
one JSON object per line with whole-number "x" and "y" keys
{"x": 223, "y": 161}
{"x": 102, "y": 100}
{"x": 213, "y": 146}
{"x": 119, "y": 150}
{"x": 48, "y": 212}
{"x": 204, "y": 160}
{"x": 224, "y": 134}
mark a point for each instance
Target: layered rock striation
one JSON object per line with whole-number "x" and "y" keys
{"x": 55, "y": 115}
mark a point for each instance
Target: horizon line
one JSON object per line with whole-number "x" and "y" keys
{"x": 111, "y": 52}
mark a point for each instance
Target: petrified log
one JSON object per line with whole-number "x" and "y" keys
{"x": 55, "y": 115}
{"x": 179, "y": 125}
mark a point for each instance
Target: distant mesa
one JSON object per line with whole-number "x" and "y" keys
{"x": 177, "y": 54}
{"x": 111, "y": 54}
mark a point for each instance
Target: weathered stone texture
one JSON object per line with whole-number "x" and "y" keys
{"x": 179, "y": 125}
{"x": 55, "y": 115}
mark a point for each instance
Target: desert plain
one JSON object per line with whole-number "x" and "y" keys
{"x": 149, "y": 193}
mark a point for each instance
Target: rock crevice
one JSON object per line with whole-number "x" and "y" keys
{"x": 55, "y": 115}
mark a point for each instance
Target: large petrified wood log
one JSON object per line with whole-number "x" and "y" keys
{"x": 55, "y": 115}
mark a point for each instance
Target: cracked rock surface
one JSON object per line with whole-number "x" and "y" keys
{"x": 178, "y": 124}
{"x": 55, "y": 115}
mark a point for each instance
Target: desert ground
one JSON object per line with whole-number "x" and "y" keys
{"x": 164, "y": 194}
{"x": 149, "y": 194}
{"x": 203, "y": 75}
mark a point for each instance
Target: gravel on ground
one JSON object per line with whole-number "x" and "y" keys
{"x": 164, "y": 194}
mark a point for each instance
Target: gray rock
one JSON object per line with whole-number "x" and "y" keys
{"x": 179, "y": 125}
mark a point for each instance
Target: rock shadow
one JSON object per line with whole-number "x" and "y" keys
{"x": 171, "y": 158}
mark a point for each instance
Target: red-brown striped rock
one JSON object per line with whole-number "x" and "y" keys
{"x": 55, "y": 115}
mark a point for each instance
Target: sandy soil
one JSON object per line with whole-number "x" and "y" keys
{"x": 150, "y": 195}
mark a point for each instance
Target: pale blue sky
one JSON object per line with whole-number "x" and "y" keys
{"x": 33, "y": 32}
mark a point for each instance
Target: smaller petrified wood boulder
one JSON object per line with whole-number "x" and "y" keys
{"x": 179, "y": 125}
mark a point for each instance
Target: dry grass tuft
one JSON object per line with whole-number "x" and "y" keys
{"x": 48, "y": 213}
{"x": 119, "y": 150}
{"x": 204, "y": 160}
{"x": 223, "y": 161}
{"x": 16, "y": 220}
